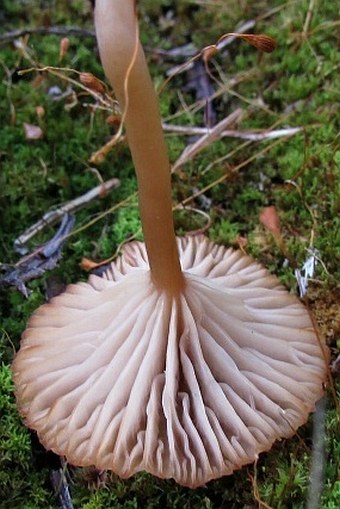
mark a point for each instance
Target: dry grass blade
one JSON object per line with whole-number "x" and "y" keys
{"x": 229, "y": 173}
{"x": 233, "y": 133}
{"x": 207, "y": 139}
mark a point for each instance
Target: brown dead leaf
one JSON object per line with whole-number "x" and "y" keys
{"x": 270, "y": 220}
{"x": 33, "y": 132}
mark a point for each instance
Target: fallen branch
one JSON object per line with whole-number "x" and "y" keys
{"x": 43, "y": 258}
{"x": 53, "y": 216}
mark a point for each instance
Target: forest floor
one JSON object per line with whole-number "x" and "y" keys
{"x": 283, "y": 158}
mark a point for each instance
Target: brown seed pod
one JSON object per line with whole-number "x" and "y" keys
{"x": 91, "y": 82}
{"x": 261, "y": 42}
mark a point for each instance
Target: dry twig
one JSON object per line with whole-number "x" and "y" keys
{"x": 212, "y": 135}
{"x": 61, "y": 489}
{"x": 55, "y": 30}
{"x": 53, "y": 216}
{"x": 318, "y": 456}
{"x": 233, "y": 133}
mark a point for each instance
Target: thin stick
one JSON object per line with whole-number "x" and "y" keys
{"x": 61, "y": 489}
{"x": 52, "y": 216}
{"x": 54, "y": 30}
{"x": 233, "y": 133}
{"x": 318, "y": 456}
{"x": 309, "y": 16}
{"x": 212, "y": 135}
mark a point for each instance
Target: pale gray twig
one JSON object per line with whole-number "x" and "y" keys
{"x": 61, "y": 489}
{"x": 317, "y": 473}
{"x": 55, "y": 30}
{"x": 52, "y": 216}
{"x": 209, "y": 137}
{"x": 240, "y": 29}
{"x": 232, "y": 133}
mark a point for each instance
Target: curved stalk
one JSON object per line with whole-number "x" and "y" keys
{"x": 124, "y": 63}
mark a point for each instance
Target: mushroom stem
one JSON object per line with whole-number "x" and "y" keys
{"x": 124, "y": 63}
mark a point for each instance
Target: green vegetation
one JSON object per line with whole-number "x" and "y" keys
{"x": 299, "y": 175}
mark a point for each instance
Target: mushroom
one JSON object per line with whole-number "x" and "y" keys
{"x": 187, "y": 359}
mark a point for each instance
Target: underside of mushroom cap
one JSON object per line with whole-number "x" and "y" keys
{"x": 118, "y": 374}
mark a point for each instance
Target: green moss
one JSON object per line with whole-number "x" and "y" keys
{"x": 225, "y": 232}
{"x": 127, "y": 223}
{"x": 20, "y": 484}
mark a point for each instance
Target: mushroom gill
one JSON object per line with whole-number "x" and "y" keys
{"x": 123, "y": 375}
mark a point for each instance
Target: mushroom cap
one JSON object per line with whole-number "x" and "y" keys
{"x": 121, "y": 375}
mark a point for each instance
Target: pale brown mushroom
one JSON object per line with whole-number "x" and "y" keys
{"x": 187, "y": 359}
